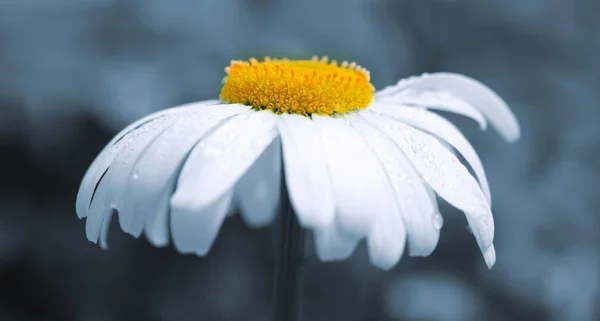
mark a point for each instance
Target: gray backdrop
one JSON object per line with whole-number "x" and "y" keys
{"x": 74, "y": 72}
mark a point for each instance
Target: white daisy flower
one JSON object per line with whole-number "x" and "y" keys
{"x": 357, "y": 163}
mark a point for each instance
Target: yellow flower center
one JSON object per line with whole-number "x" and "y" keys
{"x": 304, "y": 87}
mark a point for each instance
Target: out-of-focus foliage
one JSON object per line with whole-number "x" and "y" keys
{"x": 72, "y": 73}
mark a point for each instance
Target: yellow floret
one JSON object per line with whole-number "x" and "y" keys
{"x": 305, "y": 87}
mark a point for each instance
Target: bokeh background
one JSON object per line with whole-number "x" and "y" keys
{"x": 74, "y": 72}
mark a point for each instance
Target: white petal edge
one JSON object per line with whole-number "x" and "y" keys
{"x": 332, "y": 244}
{"x": 416, "y": 206}
{"x": 444, "y": 130}
{"x": 439, "y": 100}
{"x": 359, "y": 183}
{"x": 153, "y": 175}
{"x": 475, "y": 93}
{"x": 112, "y": 188}
{"x": 490, "y": 256}
{"x": 217, "y": 162}
{"x": 106, "y": 156}
{"x": 443, "y": 172}
{"x": 387, "y": 240}
{"x": 258, "y": 191}
{"x": 195, "y": 229}
{"x": 156, "y": 226}
{"x": 103, "y": 241}
{"x": 306, "y": 172}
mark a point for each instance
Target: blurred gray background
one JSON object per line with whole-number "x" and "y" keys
{"x": 74, "y": 72}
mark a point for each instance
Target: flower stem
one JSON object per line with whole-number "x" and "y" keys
{"x": 289, "y": 264}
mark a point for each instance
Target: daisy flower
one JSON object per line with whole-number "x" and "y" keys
{"x": 356, "y": 163}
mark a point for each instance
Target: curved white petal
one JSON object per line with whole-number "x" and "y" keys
{"x": 474, "y": 93}
{"x": 103, "y": 241}
{"x": 444, "y": 173}
{"x": 332, "y": 244}
{"x": 387, "y": 237}
{"x": 195, "y": 228}
{"x": 416, "y": 206}
{"x": 306, "y": 173}
{"x": 359, "y": 183}
{"x": 113, "y": 186}
{"x": 155, "y": 172}
{"x": 156, "y": 226}
{"x": 258, "y": 191}
{"x": 219, "y": 160}
{"x": 406, "y": 94}
{"x": 490, "y": 256}
{"x": 100, "y": 165}
{"x": 106, "y": 156}
{"x": 386, "y": 240}
{"x": 443, "y": 129}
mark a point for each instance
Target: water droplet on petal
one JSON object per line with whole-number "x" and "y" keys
{"x": 438, "y": 221}
{"x": 412, "y": 151}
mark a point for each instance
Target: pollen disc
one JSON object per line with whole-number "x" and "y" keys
{"x": 305, "y": 87}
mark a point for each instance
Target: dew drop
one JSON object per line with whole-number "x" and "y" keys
{"x": 426, "y": 162}
{"x": 412, "y": 151}
{"x": 438, "y": 221}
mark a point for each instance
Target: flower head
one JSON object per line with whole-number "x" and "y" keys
{"x": 358, "y": 164}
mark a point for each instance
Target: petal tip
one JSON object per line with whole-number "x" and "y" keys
{"x": 419, "y": 251}
{"x": 490, "y": 256}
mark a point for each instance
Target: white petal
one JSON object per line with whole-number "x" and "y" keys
{"x": 407, "y": 94}
{"x": 357, "y": 177}
{"x": 416, "y": 206}
{"x": 219, "y": 160}
{"x": 154, "y": 174}
{"x": 387, "y": 237}
{"x": 104, "y": 231}
{"x": 195, "y": 228}
{"x": 476, "y": 94}
{"x": 259, "y": 190}
{"x": 443, "y": 129}
{"x": 156, "y": 227}
{"x": 490, "y": 256}
{"x": 106, "y": 156}
{"x": 332, "y": 244}
{"x": 386, "y": 240}
{"x": 112, "y": 187}
{"x": 306, "y": 173}
{"x": 444, "y": 173}
{"x": 98, "y": 168}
